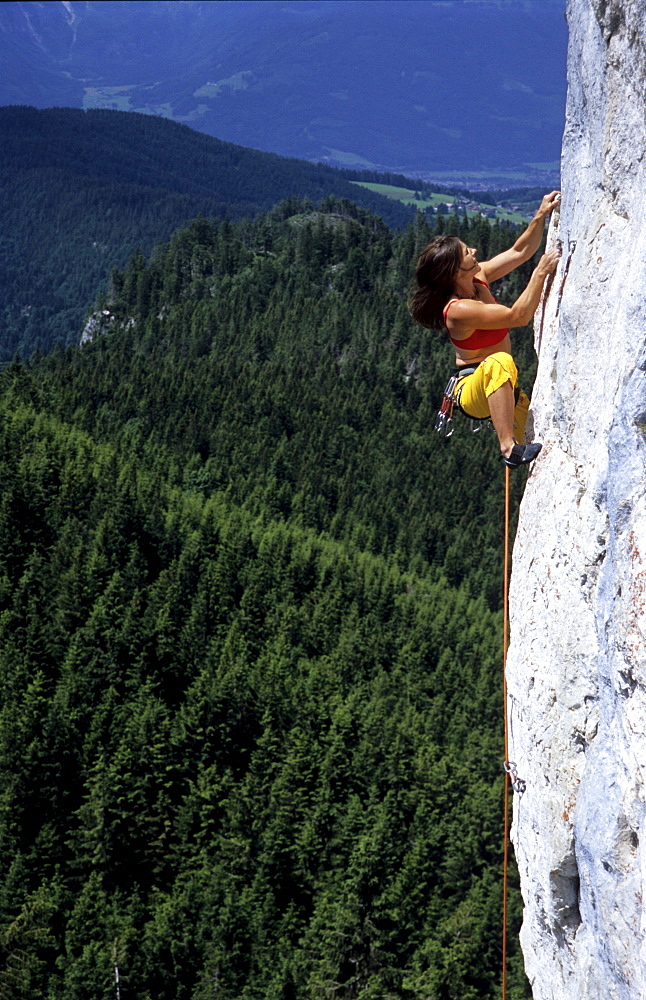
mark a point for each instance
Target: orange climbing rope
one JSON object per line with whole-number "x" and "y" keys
{"x": 505, "y": 643}
{"x": 511, "y": 777}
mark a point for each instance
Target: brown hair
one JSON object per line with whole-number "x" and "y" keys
{"x": 437, "y": 266}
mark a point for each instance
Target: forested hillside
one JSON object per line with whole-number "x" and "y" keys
{"x": 251, "y": 731}
{"x": 82, "y": 191}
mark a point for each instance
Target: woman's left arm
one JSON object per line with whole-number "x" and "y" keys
{"x": 525, "y": 246}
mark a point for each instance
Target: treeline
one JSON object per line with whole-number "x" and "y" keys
{"x": 251, "y": 731}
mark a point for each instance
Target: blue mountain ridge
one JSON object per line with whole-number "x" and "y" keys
{"x": 417, "y": 86}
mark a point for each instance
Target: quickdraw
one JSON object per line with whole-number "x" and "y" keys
{"x": 517, "y": 783}
{"x": 571, "y": 247}
{"x": 444, "y": 419}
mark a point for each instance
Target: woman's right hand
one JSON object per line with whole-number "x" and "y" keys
{"x": 548, "y": 263}
{"x": 549, "y": 203}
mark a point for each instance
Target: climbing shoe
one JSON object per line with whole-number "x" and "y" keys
{"x": 521, "y": 454}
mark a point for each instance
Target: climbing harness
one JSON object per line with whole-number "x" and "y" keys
{"x": 511, "y": 775}
{"x": 451, "y": 399}
{"x": 571, "y": 247}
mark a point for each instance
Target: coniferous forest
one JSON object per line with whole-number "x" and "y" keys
{"x": 250, "y": 604}
{"x": 82, "y": 191}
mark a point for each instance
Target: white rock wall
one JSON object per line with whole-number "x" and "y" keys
{"x": 577, "y": 660}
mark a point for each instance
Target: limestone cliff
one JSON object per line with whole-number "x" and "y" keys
{"x": 577, "y": 661}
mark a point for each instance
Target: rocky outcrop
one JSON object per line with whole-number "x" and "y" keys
{"x": 577, "y": 660}
{"x": 96, "y": 324}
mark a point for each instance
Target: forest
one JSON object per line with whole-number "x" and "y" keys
{"x": 251, "y": 728}
{"x": 81, "y": 191}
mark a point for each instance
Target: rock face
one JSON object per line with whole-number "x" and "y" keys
{"x": 577, "y": 660}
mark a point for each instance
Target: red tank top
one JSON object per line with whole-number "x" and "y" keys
{"x": 479, "y": 338}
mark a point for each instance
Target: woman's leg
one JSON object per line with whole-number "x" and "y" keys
{"x": 489, "y": 392}
{"x": 501, "y": 407}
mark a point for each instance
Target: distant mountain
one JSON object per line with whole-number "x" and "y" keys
{"x": 81, "y": 191}
{"x": 463, "y": 86}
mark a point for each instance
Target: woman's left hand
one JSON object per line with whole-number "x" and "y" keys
{"x": 549, "y": 203}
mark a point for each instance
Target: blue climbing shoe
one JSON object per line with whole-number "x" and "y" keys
{"x": 521, "y": 454}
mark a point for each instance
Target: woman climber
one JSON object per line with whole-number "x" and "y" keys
{"x": 452, "y": 291}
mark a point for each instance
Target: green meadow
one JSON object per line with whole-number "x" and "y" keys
{"x": 431, "y": 199}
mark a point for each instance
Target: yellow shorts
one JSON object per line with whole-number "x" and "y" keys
{"x": 472, "y": 390}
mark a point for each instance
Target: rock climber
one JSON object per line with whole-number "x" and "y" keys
{"x": 452, "y": 291}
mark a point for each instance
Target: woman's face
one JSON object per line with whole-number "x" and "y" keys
{"x": 469, "y": 260}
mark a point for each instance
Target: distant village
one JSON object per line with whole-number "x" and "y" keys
{"x": 468, "y": 207}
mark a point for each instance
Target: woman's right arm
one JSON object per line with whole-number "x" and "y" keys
{"x": 525, "y": 246}
{"x": 468, "y": 314}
